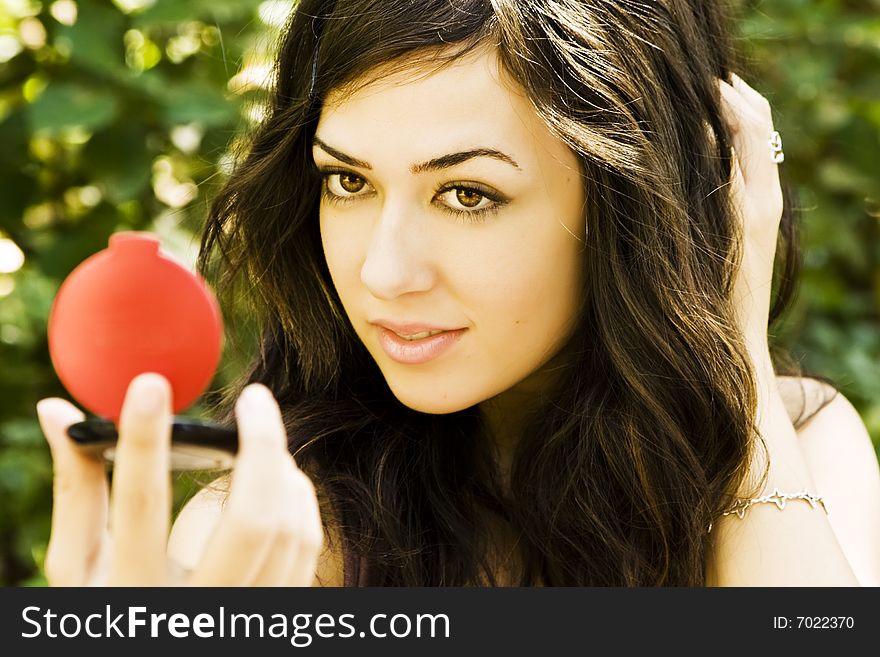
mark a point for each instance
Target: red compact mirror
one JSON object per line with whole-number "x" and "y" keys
{"x": 130, "y": 309}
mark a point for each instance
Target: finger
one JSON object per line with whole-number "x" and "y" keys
{"x": 756, "y": 101}
{"x": 253, "y": 516}
{"x": 79, "y": 501}
{"x": 280, "y": 557}
{"x": 140, "y": 505}
{"x": 737, "y": 183}
{"x": 309, "y": 531}
{"x": 741, "y": 121}
{"x": 750, "y": 135}
{"x": 278, "y": 561}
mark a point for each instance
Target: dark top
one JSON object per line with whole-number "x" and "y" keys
{"x": 355, "y": 570}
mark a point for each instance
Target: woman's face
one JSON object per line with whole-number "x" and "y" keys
{"x": 448, "y": 204}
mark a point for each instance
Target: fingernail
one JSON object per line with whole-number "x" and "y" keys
{"x": 147, "y": 392}
{"x": 43, "y": 414}
{"x": 255, "y": 395}
{"x": 47, "y": 417}
{"x": 42, "y": 406}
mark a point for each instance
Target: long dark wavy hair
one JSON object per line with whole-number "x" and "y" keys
{"x": 650, "y": 428}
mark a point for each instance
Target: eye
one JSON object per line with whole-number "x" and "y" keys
{"x": 468, "y": 202}
{"x": 469, "y": 198}
{"x": 344, "y": 183}
{"x": 462, "y": 198}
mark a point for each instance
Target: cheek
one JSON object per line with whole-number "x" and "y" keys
{"x": 343, "y": 253}
{"x": 527, "y": 293}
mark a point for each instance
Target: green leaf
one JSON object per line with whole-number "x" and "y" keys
{"x": 14, "y": 137}
{"x": 194, "y": 102}
{"x": 75, "y": 243}
{"x": 21, "y": 433}
{"x": 95, "y": 40}
{"x": 119, "y": 161}
{"x": 16, "y": 191}
{"x": 165, "y": 12}
{"x": 66, "y": 105}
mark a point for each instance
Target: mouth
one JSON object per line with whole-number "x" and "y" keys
{"x": 413, "y": 330}
{"x": 418, "y": 347}
{"x": 419, "y": 336}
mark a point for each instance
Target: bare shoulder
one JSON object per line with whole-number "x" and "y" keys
{"x": 196, "y": 521}
{"x": 843, "y": 462}
{"x": 804, "y": 397}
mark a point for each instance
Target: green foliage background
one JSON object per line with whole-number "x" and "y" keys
{"x": 124, "y": 119}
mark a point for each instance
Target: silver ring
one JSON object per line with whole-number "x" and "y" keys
{"x": 776, "y": 147}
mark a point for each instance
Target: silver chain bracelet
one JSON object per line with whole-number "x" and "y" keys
{"x": 777, "y": 498}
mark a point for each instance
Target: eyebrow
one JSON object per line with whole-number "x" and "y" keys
{"x": 442, "y": 162}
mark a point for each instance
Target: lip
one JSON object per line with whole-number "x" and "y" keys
{"x": 411, "y": 328}
{"x": 415, "y": 352}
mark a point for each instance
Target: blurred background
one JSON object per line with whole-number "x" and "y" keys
{"x": 124, "y": 115}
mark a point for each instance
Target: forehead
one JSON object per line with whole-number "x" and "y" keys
{"x": 424, "y": 110}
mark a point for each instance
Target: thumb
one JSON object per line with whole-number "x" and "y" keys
{"x": 80, "y": 498}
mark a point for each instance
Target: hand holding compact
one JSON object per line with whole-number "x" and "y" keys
{"x": 269, "y": 532}
{"x": 131, "y": 309}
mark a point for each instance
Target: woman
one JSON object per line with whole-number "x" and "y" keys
{"x": 512, "y": 263}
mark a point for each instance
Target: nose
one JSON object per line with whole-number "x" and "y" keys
{"x": 397, "y": 260}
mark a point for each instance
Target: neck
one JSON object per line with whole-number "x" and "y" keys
{"x": 505, "y": 416}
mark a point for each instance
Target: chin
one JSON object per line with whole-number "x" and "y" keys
{"x": 434, "y": 402}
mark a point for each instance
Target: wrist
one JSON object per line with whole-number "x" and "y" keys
{"x": 786, "y": 466}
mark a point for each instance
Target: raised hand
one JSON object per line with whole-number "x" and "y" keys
{"x": 269, "y": 532}
{"x": 757, "y": 194}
